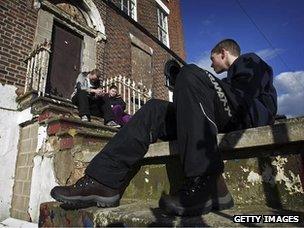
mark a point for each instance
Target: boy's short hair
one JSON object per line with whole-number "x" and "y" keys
{"x": 113, "y": 86}
{"x": 230, "y": 45}
{"x": 96, "y": 72}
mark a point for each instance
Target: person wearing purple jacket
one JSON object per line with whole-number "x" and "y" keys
{"x": 118, "y": 105}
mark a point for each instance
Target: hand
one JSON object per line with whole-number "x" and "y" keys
{"x": 99, "y": 92}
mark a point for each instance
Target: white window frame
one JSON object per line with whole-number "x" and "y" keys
{"x": 162, "y": 22}
{"x": 132, "y": 14}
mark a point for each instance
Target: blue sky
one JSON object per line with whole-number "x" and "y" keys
{"x": 280, "y": 42}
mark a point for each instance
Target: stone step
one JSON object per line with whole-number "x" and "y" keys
{"x": 147, "y": 213}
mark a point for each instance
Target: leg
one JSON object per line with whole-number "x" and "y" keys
{"x": 106, "y": 110}
{"x": 81, "y": 100}
{"x": 200, "y": 115}
{"x": 106, "y": 175}
{"x": 126, "y": 118}
{"x": 118, "y": 114}
{"x": 156, "y": 119}
{"x": 94, "y": 107}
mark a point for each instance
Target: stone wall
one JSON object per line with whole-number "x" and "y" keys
{"x": 24, "y": 167}
{"x": 10, "y": 119}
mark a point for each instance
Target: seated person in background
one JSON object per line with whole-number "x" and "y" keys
{"x": 88, "y": 97}
{"x": 118, "y": 105}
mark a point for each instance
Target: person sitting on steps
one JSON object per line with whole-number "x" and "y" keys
{"x": 88, "y": 96}
{"x": 202, "y": 107}
{"x": 118, "y": 105}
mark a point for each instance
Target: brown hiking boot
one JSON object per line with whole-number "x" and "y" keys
{"x": 199, "y": 195}
{"x": 86, "y": 192}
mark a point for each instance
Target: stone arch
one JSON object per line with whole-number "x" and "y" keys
{"x": 67, "y": 12}
{"x": 88, "y": 10}
{"x": 94, "y": 18}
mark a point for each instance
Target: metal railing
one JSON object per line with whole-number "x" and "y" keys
{"x": 37, "y": 68}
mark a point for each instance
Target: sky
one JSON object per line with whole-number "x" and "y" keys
{"x": 274, "y": 29}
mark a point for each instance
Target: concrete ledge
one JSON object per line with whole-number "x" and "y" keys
{"x": 282, "y": 137}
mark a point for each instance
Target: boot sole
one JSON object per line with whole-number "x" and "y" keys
{"x": 87, "y": 201}
{"x": 221, "y": 203}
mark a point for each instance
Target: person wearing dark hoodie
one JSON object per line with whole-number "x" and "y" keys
{"x": 202, "y": 107}
{"x": 118, "y": 105}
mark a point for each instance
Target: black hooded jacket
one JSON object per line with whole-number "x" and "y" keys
{"x": 251, "y": 80}
{"x": 117, "y": 100}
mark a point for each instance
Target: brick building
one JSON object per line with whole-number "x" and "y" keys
{"x": 54, "y": 40}
{"x": 130, "y": 38}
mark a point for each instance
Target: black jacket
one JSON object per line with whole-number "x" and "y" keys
{"x": 117, "y": 100}
{"x": 251, "y": 80}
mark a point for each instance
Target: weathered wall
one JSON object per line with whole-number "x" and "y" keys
{"x": 24, "y": 167}
{"x": 9, "y": 136}
{"x": 43, "y": 177}
{"x": 271, "y": 181}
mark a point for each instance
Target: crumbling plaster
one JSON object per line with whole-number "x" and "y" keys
{"x": 10, "y": 119}
{"x": 291, "y": 182}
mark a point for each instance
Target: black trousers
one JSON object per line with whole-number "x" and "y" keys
{"x": 89, "y": 105}
{"x": 197, "y": 114}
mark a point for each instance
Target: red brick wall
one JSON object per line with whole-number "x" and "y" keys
{"x": 117, "y": 52}
{"x": 147, "y": 17}
{"x": 176, "y": 32}
{"x": 100, "y": 49}
{"x": 17, "y": 31}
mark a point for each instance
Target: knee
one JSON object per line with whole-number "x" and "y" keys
{"x": 117, "y": 108}
{"x": 191, "y": 75}
{"x": 152, "y": 103}
{"x": 186, "y": 76}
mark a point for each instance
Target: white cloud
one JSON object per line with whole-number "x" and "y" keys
{"x": 269, "y": 53}
{"x": 290, "y": 88}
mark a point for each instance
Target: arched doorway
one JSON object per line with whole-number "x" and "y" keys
{"x": 74, "y": 28}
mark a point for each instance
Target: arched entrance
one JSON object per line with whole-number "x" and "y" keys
{"x": 73, "y": 28}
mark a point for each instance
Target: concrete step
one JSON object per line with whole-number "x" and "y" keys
{"x": 147, "y": 213}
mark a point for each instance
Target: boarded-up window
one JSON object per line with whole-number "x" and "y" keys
{"x": 142, "y": 66}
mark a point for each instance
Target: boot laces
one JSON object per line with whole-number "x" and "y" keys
{"x": 83, "y": 182}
